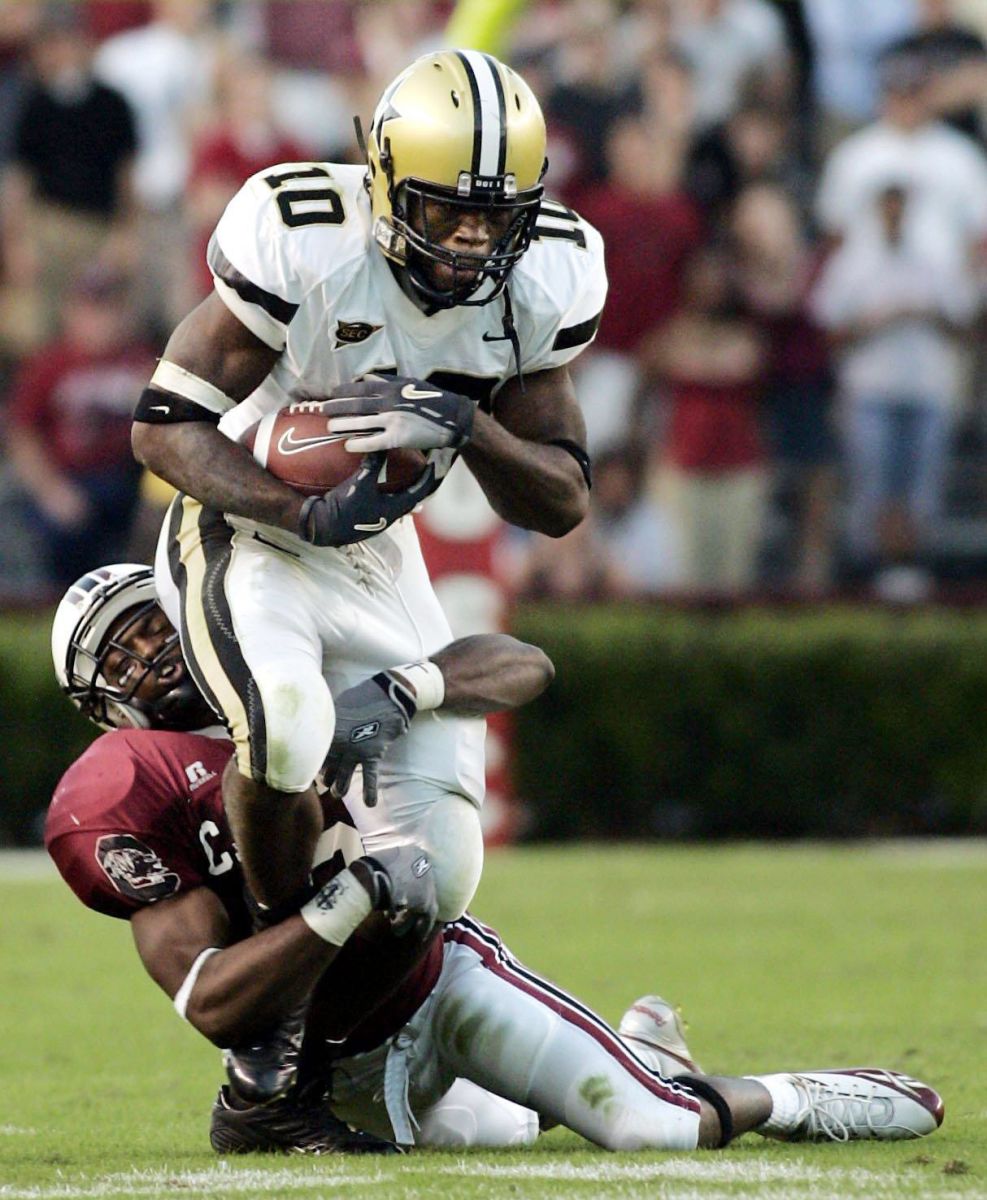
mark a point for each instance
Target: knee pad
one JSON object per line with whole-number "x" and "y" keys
{"x": 298, "y": 723}
{"x": 469, "y": 1116}
{"x": 452, "y": 836}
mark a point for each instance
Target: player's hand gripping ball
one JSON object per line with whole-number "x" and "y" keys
{"x": 295, "y": 444}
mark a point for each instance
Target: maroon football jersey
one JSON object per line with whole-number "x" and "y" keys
{"x": 139, "y": 816}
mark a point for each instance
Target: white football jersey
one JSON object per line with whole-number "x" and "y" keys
{"x": 294, "y": 260}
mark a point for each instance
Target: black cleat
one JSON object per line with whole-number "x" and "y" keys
{"x": 291, "y": 1125}
{"x": 265, "y": 1070}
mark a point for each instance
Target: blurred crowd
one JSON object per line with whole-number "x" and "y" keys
{"x": 788, "y": 392}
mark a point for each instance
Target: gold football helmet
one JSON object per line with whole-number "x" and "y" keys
{"x": 455, "y": 130}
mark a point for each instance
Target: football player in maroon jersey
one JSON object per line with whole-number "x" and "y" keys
{"x": 139, "y": 819}
{"x": 411, "y": 1028}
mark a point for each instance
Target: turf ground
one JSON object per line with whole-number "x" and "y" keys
{"x": 781, "y": 958}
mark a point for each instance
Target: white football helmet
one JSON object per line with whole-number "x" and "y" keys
{"x": 80, "y": 640}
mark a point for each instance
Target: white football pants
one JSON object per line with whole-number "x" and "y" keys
{"x": 271, "y": 628}
{"x": 492, "y": 1047}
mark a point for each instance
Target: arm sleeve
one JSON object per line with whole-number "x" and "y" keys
{"x": 568, "y": 260}
{"x": 252, "y": 264}
{"x": 112, "y": 832}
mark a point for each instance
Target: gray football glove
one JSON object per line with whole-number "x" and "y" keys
{"x": 369, "y": 718}
{"x": 385, "y": 411}
{"x": 401, "y": 884}
{"x": 357, "y": 509}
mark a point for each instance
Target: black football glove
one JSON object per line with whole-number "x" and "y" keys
{"x": 383, "y": 412}
{"x": 357, "y": 509}
{"x": 369, "y": 718}
{"x": 401, "y": 884}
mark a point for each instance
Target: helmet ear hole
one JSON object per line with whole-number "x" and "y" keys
{"x": 387, "y": 162}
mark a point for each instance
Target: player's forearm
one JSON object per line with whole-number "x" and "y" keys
{"x": 531, "y": 484}
{"x": 202, "y": 462}
{"x": 249, "y": 986}
{"x": 487, "y": 673}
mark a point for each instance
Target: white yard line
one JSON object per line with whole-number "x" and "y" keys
{"x": 711, "y": 1179}
{"x": 704, "y": 1170}
{"x": 219, "y": 1181}
{"x": 33, "y": 864}
{"x": 932, "y": 852}
{"x": 18, "y": 865}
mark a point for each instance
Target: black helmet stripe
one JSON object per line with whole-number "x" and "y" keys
{"x": 501, "y": 115}
{"x": 489, "y": 113}
{"x": 477, "y": 113}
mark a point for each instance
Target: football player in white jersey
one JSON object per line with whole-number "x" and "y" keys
{"x": 439, "y": 277}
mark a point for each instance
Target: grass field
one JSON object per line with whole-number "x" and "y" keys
{"x": 781, "y": 958}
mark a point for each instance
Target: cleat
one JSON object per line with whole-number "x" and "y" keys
{"x": 654, "y": 1031}
{"x": 265, "y": 1070}
{"x": 291, "y": 1125}
{"x": 855, "y": 1104}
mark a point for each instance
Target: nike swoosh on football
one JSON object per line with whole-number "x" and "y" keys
{"x": 410, "y": 392}
{"x": 288, "y": 444}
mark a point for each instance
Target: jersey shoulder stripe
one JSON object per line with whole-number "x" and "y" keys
{"x": 290, "y": 229}
{"x": 221, "y": 267}
{"x": 577, "y": 335}
{"x": 561, "y": 284}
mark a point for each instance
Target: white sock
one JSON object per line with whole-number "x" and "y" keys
{"x": 786, "y": 1102}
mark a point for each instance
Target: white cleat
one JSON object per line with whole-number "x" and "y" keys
{"x": 853, "y": 1104}
{"x": 653, "y": 1030}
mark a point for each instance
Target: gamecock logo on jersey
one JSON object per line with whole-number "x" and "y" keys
{"x": 134, "y": 869}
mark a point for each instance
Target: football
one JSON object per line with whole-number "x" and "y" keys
{"x": 295, "y": 445}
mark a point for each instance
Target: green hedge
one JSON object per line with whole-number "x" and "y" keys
{"x": 674, "y": 723}
{"x": 41, "y": 733}
{"x": 756, "y": 723}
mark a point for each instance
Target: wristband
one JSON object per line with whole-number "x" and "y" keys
{"x": 424, "y": 680}
{"x": 184, "y": 993}
{"x": 334, "y": 912}
{"x": 165, "y": 408}
{"x": 170, "y": 377}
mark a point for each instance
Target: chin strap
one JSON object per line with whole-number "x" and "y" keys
{"x": 361, "y": 141}
{"x": 510, "y": 334}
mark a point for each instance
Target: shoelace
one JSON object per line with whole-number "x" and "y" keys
{"x": 397, "y": 1082}
{"x": 837, "y": 1115}
{"x": 356, "y": 556}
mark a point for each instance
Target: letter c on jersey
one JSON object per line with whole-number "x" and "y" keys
{"x": 207, "y": 830}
